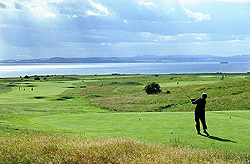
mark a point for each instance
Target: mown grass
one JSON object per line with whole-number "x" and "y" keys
{"x": 225, "y": 133}
{"x": 51, "y": 148}
{"x": 95, "y": 106}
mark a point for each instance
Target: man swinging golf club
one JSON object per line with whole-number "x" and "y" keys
{"x": 200, "y": 113}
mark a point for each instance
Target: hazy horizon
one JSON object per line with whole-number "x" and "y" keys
{"x": 123, "y": 28}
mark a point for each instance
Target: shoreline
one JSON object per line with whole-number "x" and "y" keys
{"x": 117, "y": 74}
{"x": 17, "y": 70}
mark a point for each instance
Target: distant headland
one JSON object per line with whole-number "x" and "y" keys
{"x": 136, "y": 59}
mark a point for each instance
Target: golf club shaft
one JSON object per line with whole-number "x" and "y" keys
{"x": 185, "y": 92}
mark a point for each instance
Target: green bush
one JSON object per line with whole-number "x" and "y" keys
{"x": 36, "y": 78}
{"x": 153, "y": 88}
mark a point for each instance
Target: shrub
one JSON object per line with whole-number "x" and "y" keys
{"x": 37, "y": 78}
{"x": 153, "y": 88}
{"x": 26, "y": 77}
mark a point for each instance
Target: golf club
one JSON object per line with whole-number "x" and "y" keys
{"x": 183, "y": 89}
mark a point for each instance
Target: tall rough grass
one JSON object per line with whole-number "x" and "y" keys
{"x": 221, "y": 96}
{"x": 54, "y": 148}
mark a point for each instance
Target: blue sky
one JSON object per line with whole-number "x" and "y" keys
{"x": 93, "y": 28}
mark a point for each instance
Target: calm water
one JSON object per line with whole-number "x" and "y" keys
{"x": 13, "y": 70}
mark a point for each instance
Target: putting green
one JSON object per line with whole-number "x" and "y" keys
{"x": 40, "y": 89}
{"x": 226, "y": 133}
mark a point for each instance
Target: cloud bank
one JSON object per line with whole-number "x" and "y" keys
{"x": 83, "y": 28}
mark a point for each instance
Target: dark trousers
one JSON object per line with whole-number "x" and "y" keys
{"x": 200, "y": 117}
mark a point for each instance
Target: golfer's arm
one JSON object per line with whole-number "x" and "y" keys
{"x": 194, "y": 101}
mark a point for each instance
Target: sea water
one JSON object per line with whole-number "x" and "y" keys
{"x": 16, "y": 70}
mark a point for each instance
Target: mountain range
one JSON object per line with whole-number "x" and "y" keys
{"x": 136, "y": 59}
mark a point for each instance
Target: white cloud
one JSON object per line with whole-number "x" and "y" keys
{"x": 24, "y": 56}
{"x": 128, "y": 23}
{"x": 106, "y": 44}
{"x": 207, "y": 17}
{"x": 41, "y": 12}
{"x": 147, "y": 3}
{"x": 197, "y": 15}
{"x": 89, "y": 12}
{"x": 200, "y": 36}
{"x": 125, "y": 21}
{"x": 99, "y": 9}
{"x": 39, "y": 9}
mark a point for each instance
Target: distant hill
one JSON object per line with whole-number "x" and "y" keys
{"x": 136, "y": 59}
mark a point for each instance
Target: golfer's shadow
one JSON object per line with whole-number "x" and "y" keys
{"x": 218, "y": 138}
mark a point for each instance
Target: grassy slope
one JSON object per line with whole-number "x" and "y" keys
{"x": 228, "y": 94}
{"x": 49, "y": 148}
{"x": 60, "y": 104}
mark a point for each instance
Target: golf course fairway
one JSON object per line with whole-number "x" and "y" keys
{"x": 225, "y": 133}
{"x": 118, "y": 106}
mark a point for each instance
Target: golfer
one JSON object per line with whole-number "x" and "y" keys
{"x": 200, "y": 113}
